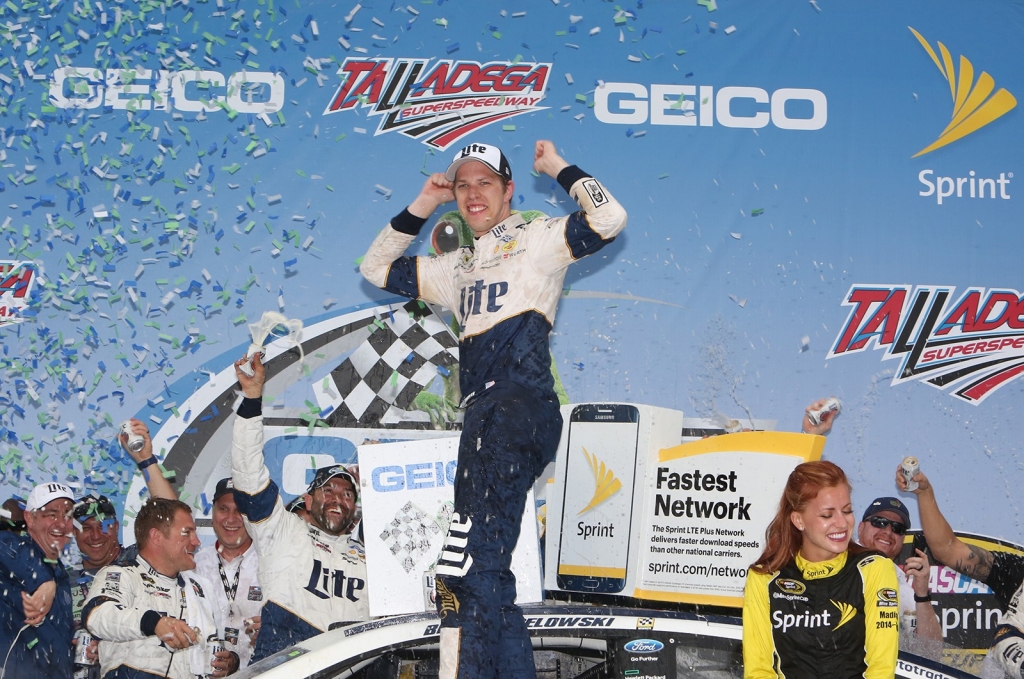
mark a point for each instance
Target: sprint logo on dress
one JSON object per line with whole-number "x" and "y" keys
{"x": 806, "y": 620}
{"x": 972, "y": 344}
{"x": 973, "y": 107}
{"x": 479, "y": 297}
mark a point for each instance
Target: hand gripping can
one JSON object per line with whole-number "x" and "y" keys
{"x": 909, "y": 468}
{"x": 82, "y": 641}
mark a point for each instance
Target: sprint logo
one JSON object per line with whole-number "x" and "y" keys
{"x": 973, "y": 107}
{"x": 846, "y": 612}
{"x": 808, "y": 620}
{"x": 605, "y": 483}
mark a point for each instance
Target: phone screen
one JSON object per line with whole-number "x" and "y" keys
{"x": 597, "y": 505}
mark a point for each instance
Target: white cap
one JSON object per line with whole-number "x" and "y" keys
{"x": 45, "y": 493}
{"x": 491, "y": 156}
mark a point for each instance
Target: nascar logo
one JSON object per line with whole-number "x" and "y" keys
{"x": 441, "y": 104}
{"x": 973, "y": 344}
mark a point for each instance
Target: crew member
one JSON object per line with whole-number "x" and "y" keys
{"x": 232, "y": 561}
{"x": 97, "y": 532}
{"x": 885, "y": 522}
{"x": 1002, "y": 571}
{"x": 313, "y": 575}
{"x": 36, "y": 625}
{"x": 153, "y": 616}
{"x": 503, "y": 289}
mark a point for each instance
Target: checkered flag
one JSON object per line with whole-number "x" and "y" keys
{"x": 410, "y": 536}
{"x": 406, "y": 349}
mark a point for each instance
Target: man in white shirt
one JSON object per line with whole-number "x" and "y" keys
{"x": 231, "y": 565}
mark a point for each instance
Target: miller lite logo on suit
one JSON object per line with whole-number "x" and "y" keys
{"x": 972, "y": 344}
{"x": 441, "y": 104}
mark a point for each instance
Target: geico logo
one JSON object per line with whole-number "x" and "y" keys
{"x": 143, "y": 89}
{"x": 807, "y": 619}
{"x": 413, "y": 476}
{"x": 695, "y": 105}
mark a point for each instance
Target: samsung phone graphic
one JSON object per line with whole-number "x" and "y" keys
{"x": 597, "y": 507}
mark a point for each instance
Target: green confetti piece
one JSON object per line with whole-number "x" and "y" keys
{"x": 757, "y": 213}
{"x": 508, "y": 128}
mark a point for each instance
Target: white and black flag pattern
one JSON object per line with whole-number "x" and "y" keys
{"x": 405, "y": 350}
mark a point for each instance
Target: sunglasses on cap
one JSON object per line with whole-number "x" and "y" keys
{"x": 881, "y": 523}
{"x": 90, "y": 506}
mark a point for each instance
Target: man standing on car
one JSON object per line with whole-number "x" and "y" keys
{"x": 504, "y": 289}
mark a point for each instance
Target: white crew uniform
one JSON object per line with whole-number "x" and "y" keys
{"x": 124, "y": 605}
{"x": 240, "y": 575}
{"x": 310, "y": 580}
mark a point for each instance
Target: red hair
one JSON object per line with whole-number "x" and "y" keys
{"x": 782, "y": 538}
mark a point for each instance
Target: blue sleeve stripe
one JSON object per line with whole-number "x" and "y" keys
{"x": 403, "y": 278}
{"x": 257, "y": 507}
{"x": 580, "y": 238}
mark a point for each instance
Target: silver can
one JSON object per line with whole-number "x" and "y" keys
{"x": 429, "y": 590}
{"x": 909, "y": 468}
{"x": 135, "y": 442}
{"x": 215, "y": 646}
{"x": 82, "y": 641}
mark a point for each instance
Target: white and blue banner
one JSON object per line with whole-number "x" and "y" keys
{"x": 823, "y": 200}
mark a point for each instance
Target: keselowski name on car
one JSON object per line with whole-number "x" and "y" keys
{"x": 558, "y": 621}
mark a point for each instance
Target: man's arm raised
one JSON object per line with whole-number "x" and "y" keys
{"x": 971, "y": 560}
{"x": 147, "y": 462}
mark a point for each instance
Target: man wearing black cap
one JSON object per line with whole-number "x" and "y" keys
{"x": 35, "y": 609}
{"x": 313, "y": 575}
{"x": 885, "y": 522}
{"x": 503, "y": 289}
{"x": 232, "y": 562}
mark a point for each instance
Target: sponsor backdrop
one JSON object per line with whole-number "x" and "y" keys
{"x": 822, "y": 200}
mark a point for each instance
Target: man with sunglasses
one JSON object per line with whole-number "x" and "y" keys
{"x": 885, "y": 522}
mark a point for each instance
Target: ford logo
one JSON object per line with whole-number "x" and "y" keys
{"x": 644, "y": 646}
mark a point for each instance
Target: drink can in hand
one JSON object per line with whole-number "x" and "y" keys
{"x": 82, "y": 641}
{"x": 909, "y": 468}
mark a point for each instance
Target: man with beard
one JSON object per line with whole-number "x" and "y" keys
{"x": 313, "y": 575}
{"x": 148, "y": 611}
{"x": 35, "y": 605}
{"x": 885, "y": 522}
{"x": 96, "y": 534}
{"x": 232, "y": 561}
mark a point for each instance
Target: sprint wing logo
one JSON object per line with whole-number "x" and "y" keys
{"x": 973, "y": 107}
{"x": 605, "y": 483}
{"x": 846, "y": 613}
{"x": 443, "y": 103}
{"x": 971, "y": 344}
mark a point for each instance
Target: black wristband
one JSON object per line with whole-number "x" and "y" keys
{"x": 148, "y": 623}
{"x": 148, "y": 462}
{"x": 250, "y": 407}
{"x": 923, "y": 599}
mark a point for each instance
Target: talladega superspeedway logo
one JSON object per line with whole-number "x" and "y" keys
{"x": 973, "y": 344}
{"x": 444, "y": 103}
{"x": 17, "y": 280}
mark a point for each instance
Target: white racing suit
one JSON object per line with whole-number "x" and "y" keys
{"x": 504, "y": 290}
{"x": 310, "y": 580}
{"x": 124, "y": 605}
{"x": 1006, "y": 654}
